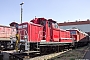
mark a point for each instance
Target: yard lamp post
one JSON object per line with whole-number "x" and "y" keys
{"x": 21, "y": 10}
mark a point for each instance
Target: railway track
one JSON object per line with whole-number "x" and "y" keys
{"x": 13, "y": 55}
{"x": 49, "y": 56}
{"x": 78, "y": 53}
{"x": 34, "y": 55}
{"x": 87, "y": 53}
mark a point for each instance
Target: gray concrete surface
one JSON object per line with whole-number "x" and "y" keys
{"x": 87, "y": 55}
{"x": 5, "y": 56}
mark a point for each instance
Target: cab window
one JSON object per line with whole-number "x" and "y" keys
{"x": 72, "y": 32}
{"x": 48, "y": 24}
{"x": 54, "y": 25}
{"x": 43, "y": 22}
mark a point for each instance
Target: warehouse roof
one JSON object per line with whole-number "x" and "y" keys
{"x": 74, "y": 23}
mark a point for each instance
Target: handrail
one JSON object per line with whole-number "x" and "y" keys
{"x": 26, "y": 37}
{"x": 39, "y": 36}
{"x": 25, "y": 31}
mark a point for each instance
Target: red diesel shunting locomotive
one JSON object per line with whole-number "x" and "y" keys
{"x": 43, "y": 34}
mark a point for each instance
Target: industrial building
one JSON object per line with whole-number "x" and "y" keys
{"x": 82, "y": 25}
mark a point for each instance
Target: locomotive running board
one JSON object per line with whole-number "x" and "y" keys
{"x": 54, "y": 43}
{"x": 43, "y": 40}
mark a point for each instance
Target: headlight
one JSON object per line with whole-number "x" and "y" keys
{"x": 25, "y": 37}
{"x": 11, "y": 37}
{"x": 20, "y": 27}
{"x": 25, "y": 26}
{"x": 2, "y": 46}
{"x": 11, "y": 46}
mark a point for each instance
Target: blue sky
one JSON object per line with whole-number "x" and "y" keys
{"x": 59, "y": 10}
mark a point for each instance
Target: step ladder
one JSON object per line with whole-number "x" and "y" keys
{"x": 40, "y": 35}
{"x": 26, "y": 41}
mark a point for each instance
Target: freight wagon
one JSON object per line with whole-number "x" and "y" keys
{"x": 5, "y": 33}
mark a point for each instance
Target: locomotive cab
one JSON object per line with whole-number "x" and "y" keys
{"x": 44, "y": 23}
{"x": 54, "y": 30}
{"x": 50, "y": 30}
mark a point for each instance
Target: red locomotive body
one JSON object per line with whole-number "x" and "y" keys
{"x": 54, "y": 31}
{"x": 46, "y": 29}
{"x": 79, "y": 36}
{"x": 44, "y": 33}
{"x": 56, "y": 35}
{"x": 65, "y": 36}
{"x": 30, "y": 30}
{"x": 51, "y": 31}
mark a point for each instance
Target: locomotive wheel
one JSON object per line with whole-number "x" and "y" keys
{"x": 42, "y": 50}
